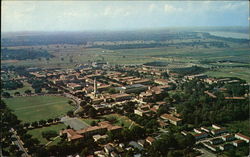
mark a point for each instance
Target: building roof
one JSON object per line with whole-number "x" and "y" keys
{"x": 243, "y": 136}
{"x": 150, "y": 139}
{"x": 200, "y": 134}
{"x": 234, "y": 98}
{"x": 90, "y": 129}
{"x": 170, "y": 117}
{"x": 239, "y": 141}
{"x": 72, "y": 134}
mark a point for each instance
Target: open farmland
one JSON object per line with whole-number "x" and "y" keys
{"x": 35, "y": 108}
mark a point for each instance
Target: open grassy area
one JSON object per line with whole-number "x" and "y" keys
{"x": 35, "y": 108}
{"x": 37, "y": 133}
{"x": 242, "y": 73}
{"x": 90, "y": 120}
{"x": 121, "y": 120}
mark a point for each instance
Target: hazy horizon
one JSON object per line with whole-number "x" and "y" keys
{"x": 72, "y": 16}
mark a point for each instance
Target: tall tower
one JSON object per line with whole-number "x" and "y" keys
{"x": 95, "y": 87}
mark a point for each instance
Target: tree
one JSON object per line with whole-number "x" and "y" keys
{"x": 49, "y": 134}
{"x": 190, "y": 140}
{"x": 70, "y": 102}
{"x": 26, "y": 125}
{"x": 50, "y": 120}
{"x": 42, "y": 122}
{"x": 17, "y": 93}
{"x": 93, "y": 123}
{"x": 92, "y": 112}
{"x": 38, "y": 90}
{"x": 27, "y": 91}
{"x": 70, "y": 113}
{"x": 34, "y": 124}
{"x": 6, "y": 95}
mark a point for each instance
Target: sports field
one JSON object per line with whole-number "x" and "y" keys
{"x": 35, "y": 108}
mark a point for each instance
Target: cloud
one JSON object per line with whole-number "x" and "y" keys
{"x": 67, "y": 15}
{"x": 152, "y": 7}
{"x": 117, "y": 11}
{"x": 172, "y": 9}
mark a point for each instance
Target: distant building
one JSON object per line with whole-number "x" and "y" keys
{"x": 216, "y": 141}
{"x": 219, "y": 131}
{"x": 200, "y": 135}
{"x": 226, "y": 146}
{"x": 238, "y": 143}
{"x": 211, "y": 146}
{"x": 135, "y": 88}
{"x": 228, "y": 138}
{"x": 198, "y": 76}
{"x": 172, "y": 119}
{"x": 118, "y": 97}
{"x": 150, "y": 140}
{"x": 242, "y": 137}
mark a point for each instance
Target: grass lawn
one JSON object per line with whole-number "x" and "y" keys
{"x": 90, "y": 120}
{"x": 37, "y": 133}
{"x": 121, "y": 120}
{"x": 239, "y": 126}
{"x": 242, "y": 73}
{"x": 35, "y": 108}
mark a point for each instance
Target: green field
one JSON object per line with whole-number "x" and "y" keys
{"x": 242, "y": 73}
{"x": 120, "y": 120}
{"x": 37, "y": 133}
{"x": 35, "y": 108}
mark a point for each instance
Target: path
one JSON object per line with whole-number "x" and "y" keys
{"x": 131, "y": 125}
{"x": 52, "y": 140}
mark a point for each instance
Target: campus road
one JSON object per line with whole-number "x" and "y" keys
{"x": 205, "y": 153}
{"x": 19, "y": 143}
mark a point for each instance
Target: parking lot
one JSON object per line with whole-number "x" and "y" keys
{"x": 74, "y": 123}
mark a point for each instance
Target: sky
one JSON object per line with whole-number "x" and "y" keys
{"x": 120, "y": 15}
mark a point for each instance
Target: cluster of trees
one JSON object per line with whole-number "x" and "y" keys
{"x": 171, "y": 145}
{"x": 149, "y": 123}
{"x": 189, "y": 70}
{"x": 9, "y": 121}
{"x": 37, "y": 85}
{"x": 199, "y": 109}
{"x": 88, "y": 110}
{"x": 12, "y": 84}
{"x": 235, "y": 40}
{"x": 49, "y": 134}
{"x": 89, "y": 37}
{"x": 236, "y": 89}
{"x": 156, "y": 63}
{"x": 23, "y": 54}
{"x": 40, "y": 123}
{"x": 125, "y": 135}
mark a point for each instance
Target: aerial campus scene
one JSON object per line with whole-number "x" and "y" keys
{"x": 125, "y": 79}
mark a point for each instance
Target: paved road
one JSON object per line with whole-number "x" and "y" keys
{"x": 19, "y": 143}
{"x": 74, "y": 123}
{"x": 205, "y": 153}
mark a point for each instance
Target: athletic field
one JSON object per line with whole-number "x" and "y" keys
{"x": 35, "y": 108}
